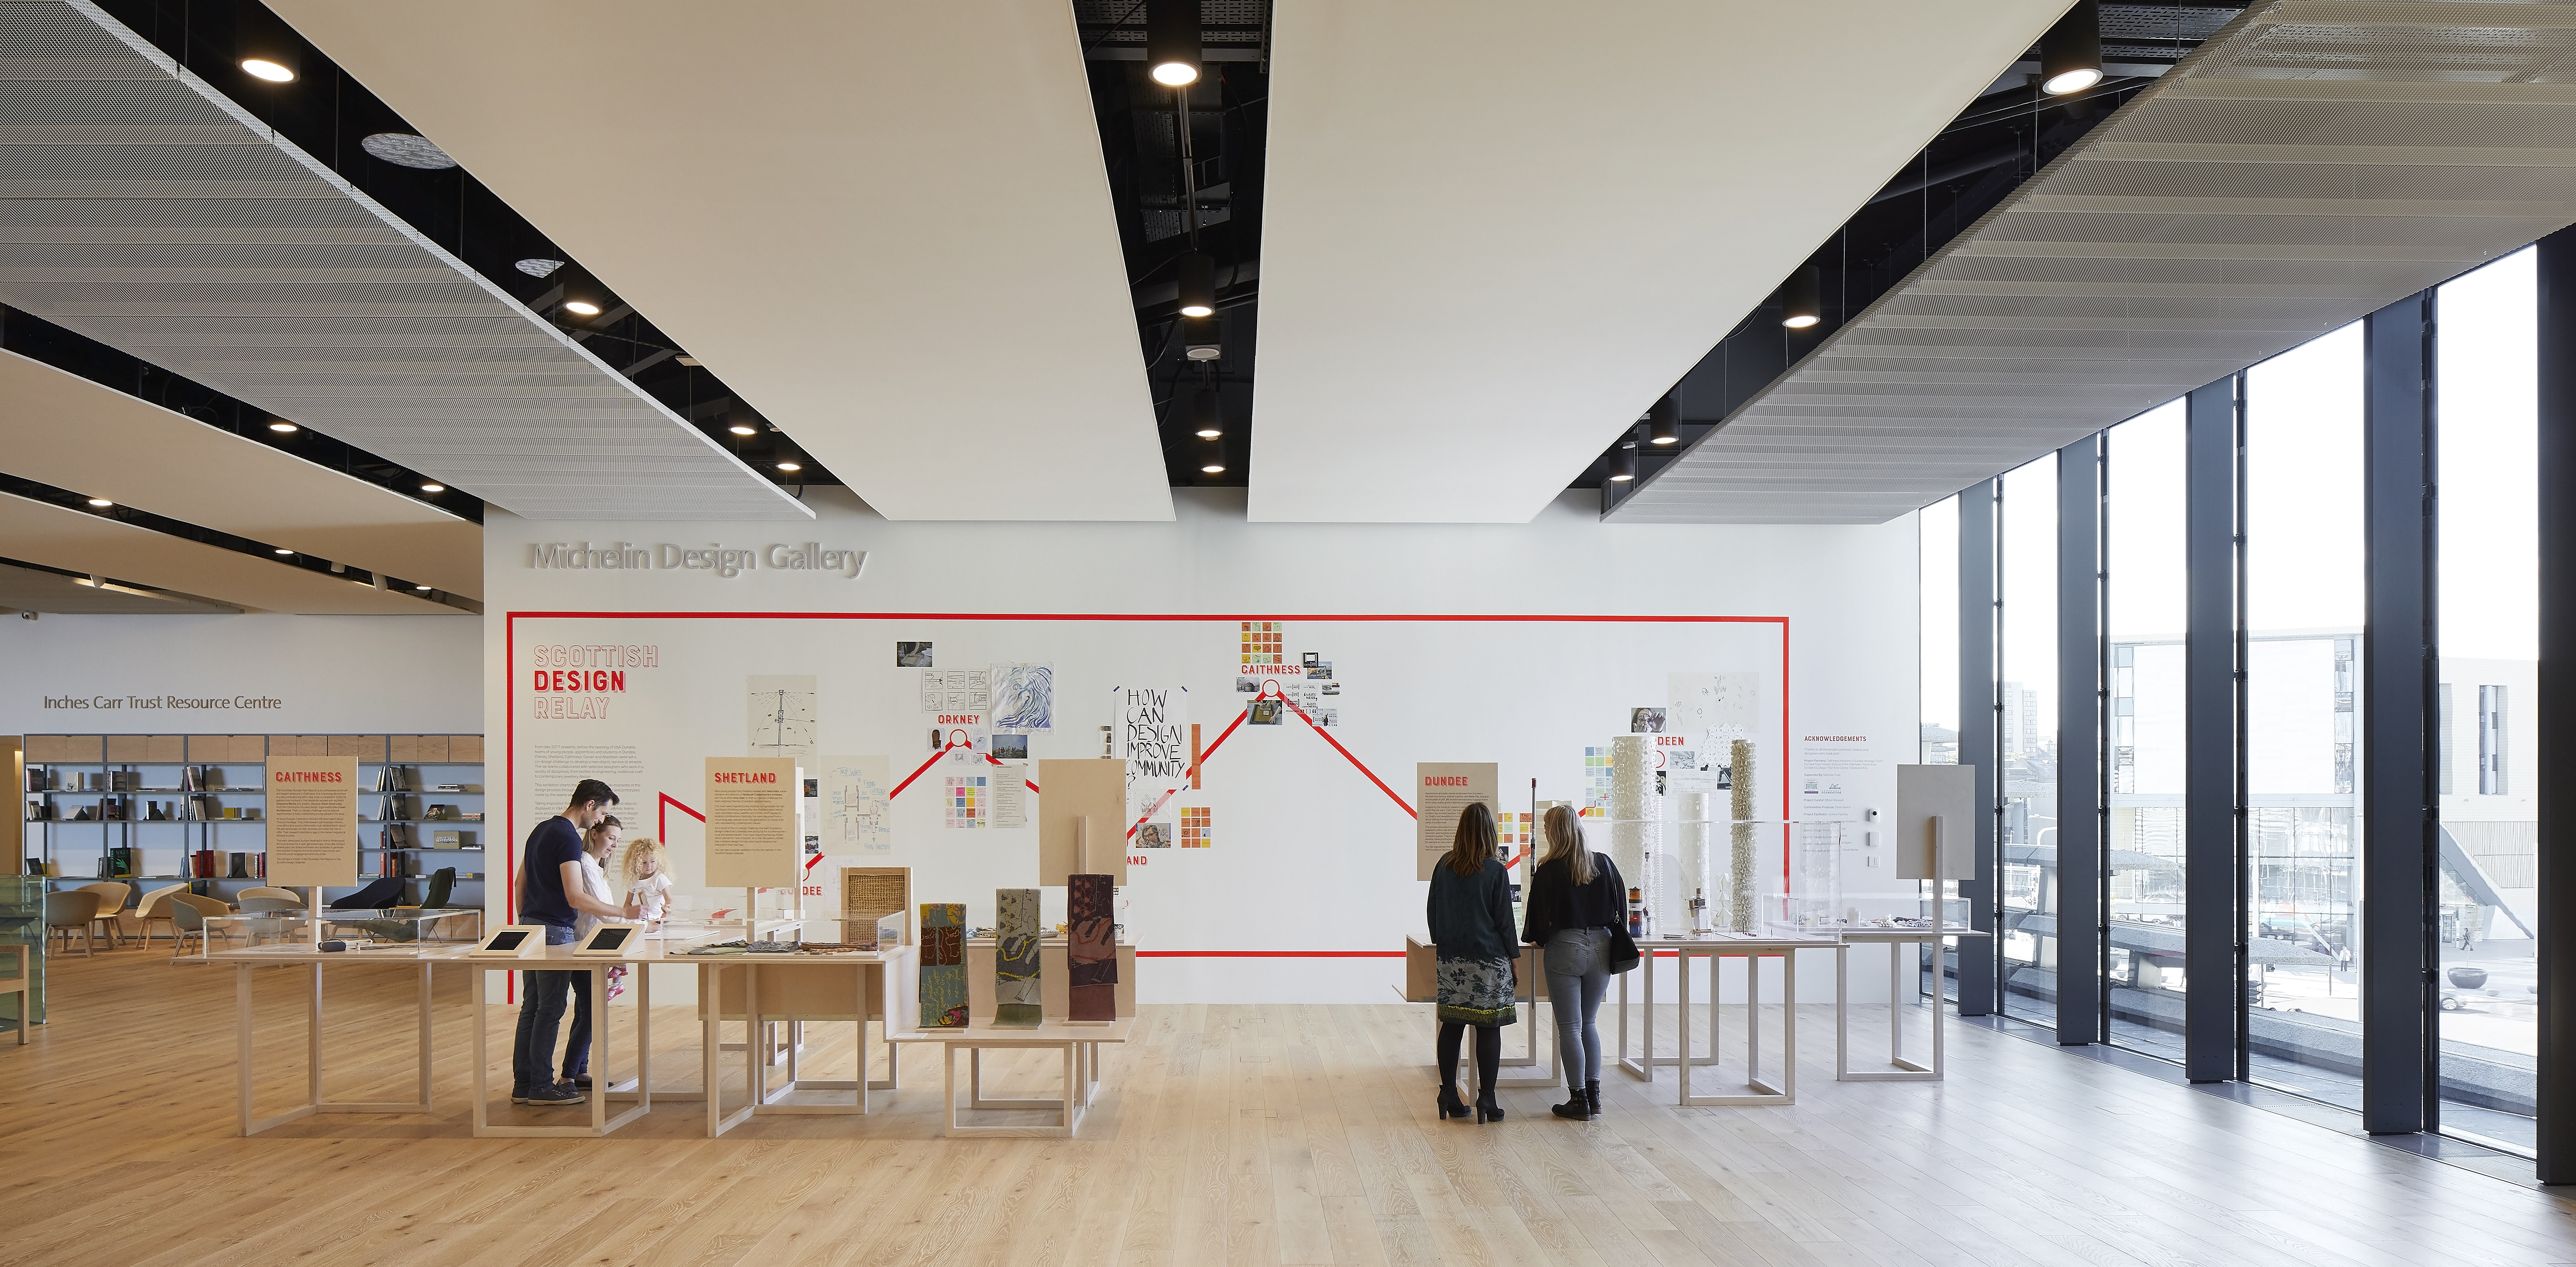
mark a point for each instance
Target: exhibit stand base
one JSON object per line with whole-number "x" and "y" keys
{"x": 248, "y": 961}
{"x": 559, "y": 959}
{"x": 1899, "y": 943}
{"x": 856, "y": 987}
{"x": 1758, "y": 1090}
{"x": 1080, "y": 1045}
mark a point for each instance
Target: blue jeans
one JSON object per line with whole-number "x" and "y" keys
{"x": 1578, "y": 971}
{"x": 576, "y": 1060}
{"x": 541, "y": 1010}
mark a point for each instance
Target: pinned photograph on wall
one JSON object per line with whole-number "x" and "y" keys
{"x": 1318, "y": 670}
{"x": 1011, "y": 747}
{"x": 1327, "y": 716}
{"x": 1645, "y": 721}
{"x": 912, "y": 655}
{"x": 1310, "y": 659}
{"x": 1198, "y": 827}
{"x": 1267, "y": 712}
{"x": 1246, "y": 686}
{"x": 1023, "y": 697}
{"x": 1154, "y": 835}
{"x": 1332, "y": 688}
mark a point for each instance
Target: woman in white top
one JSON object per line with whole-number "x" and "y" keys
{"x": 596, "y": 845}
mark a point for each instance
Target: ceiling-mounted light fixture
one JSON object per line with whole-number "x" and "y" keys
{"x": 1213, "y": 461}
{"x": 101, "y": 502}
{"x": 433, "y": 488}
{"x": 740, "y": 420}
{"x": 2070, "y": 55}
{"x": 1207, "y": 413}
{"x": 263, "y": 45}
{"x": 582, "y": 296}
{"x": 1199, "y": 339}
{"x": 406, "y": 149}
{"x": 283, "y": 427}
{"x": 1623, "y": 462}
{"x": 420, "y": 587}
{"x": 1196, "y": 273}
{"x": 1800, "y": 302}
{"x": 282, "y": 550}
{"x": 1172, "y": 42}
{"x": 789, "y": 460}
{"x": 1664, "y": 422}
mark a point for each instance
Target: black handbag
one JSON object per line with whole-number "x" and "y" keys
{"x": 1623, "y": 951}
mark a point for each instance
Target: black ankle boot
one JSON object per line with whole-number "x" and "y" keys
{"x": 1450, "y": 1105}
{"x": 1576, "y": 1107}
{"x": 1486, "y": 1109}
{"x": 1592, "y": 1096}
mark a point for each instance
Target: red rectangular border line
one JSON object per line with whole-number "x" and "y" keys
{"x": 510, "y": 652}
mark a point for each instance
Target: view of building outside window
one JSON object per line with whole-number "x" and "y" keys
{"x": 1939, "y": 528}
{"x": 2026, "y": 733}
{"x": 2489, "y": 627}
{"x": 2304, "y": 609}
{"x": 2146, "y": 601}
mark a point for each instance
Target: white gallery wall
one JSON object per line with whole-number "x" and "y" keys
{"x": 246, "y": 674}
{"x": 1440, "y": 637}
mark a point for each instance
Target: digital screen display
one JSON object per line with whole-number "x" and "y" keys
{"x": 609, "y": 938}
{"x": 506, "y": 941}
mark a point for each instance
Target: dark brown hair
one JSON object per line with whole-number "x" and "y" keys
{"x": 1473, "y": 847}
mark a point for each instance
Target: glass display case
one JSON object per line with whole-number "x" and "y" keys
{"x": 421, "y": 928}
{"x": 1801, "y": 878}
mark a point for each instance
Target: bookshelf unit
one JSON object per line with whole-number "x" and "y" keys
{"x": 160, "y": 803}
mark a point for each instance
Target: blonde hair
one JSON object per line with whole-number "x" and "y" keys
{"x": 1473, "y": 846}
{"x": 639, "y": 849}
{"x": 1565, "y": 840}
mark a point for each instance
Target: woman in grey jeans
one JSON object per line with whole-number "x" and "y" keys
{"x": 1575, "y": 898}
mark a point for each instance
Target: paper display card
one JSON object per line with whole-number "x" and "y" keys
{"x": 1942, "y": 794}
{"x": 856, "y": 810}
{"x": 312, "y": 821}
{"x": 752, "y": 837}
{"x": 1070, "y": 791}
{"x": 780, "y": 720}
{"x": 1442, "y": 791}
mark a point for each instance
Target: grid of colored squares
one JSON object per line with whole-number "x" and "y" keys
{"x": 1197, "y": 827}
{"x": 1511, "y": 828}
{"x": 1596, "y": 779}
{"x": 966, "y": 806}
{"x": 1263, "y": 642}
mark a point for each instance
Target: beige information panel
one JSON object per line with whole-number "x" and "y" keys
{"x": 312, "y": 821}
{"x": 751, "y": 823}
{"x": 1069, "y": 792}
{"x": 1936, "y": 822}
{"x": 1442, "y": 790}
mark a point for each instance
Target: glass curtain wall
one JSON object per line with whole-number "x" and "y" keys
{"x": 2026, "y": 735}
{"x": 2488, "y": 376}
{"x": 2304, "y": 609}
{"x": 1938, "y": 526}
{"x": 2144, "y": 517}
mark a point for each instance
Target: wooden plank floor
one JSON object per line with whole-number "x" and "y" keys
{"x": 1226, "y": 1134}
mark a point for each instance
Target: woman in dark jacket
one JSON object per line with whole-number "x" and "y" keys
{"x": 1575, "y": 900}
{"x": 1470, "y": 913}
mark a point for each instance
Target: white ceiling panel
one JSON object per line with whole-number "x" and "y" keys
{"x": 140, "y": 207}
{"x": 1497, "y": 230}
{"x": 2311, "y": 163}
{"x": 94, "y": 545}
{"x": 885, "y": 223}
{"x": 64, "y": 430}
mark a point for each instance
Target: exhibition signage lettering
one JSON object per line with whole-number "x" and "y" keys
{"x": 312, "y": 817}
{"x": 723, "y": 560}
{"x": 752, "y": 830}
{"x": 575, "y": 681}
{"x": 149, "y": 703}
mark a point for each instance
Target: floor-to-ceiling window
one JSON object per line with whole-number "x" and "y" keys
{"x": 1939, "y": 537}
{"x": 2144, "y": 520}
{"x": 2304, "y": 607}
{"x": 2488, "y": 377}
{"x": 2026, "y": 741}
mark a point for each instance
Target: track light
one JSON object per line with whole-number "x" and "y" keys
{"x": 2070, "y": 55}
{"x": 263, "y": 46}
{"x": 283, "y": 427}
{"x": 433, "y": 488}
{"x": 1799, "y": 306}
{"x": 1197, "y": 275}
{"x": 1664, "y": 422}
{"x": 1172, "y": 42}
{"x": 1199, "y": 339}
{"x": 1207, "y": 413}
{"x": 1623, "y": 463}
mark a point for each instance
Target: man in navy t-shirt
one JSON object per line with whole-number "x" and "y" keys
{"x": 547, "y": 897}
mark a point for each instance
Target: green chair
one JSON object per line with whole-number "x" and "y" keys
{"x": 442, "y": 882}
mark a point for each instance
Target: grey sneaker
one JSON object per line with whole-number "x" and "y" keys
{"x": 558, "y": 1096}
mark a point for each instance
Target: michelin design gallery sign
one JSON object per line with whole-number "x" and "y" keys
{"x": 723, "y": 560}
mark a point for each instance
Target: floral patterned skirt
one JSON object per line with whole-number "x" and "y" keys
{"x": 1476, "y": 991}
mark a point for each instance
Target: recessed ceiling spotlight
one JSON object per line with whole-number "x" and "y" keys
{"x": 283, "y": 427}
{"x": 742, "y": 429}
{"x": 284, "y": 550}
{"x": 1172, "y": 42}
{"x": 403, "y": 149}
{"x": 539, "y": 268}
{"x": 263, "y": 46}
{"x": 420, "y": 587}
{"x": 1197, "y": 276}
{"x": 790, "y": 464}
{"x": 1213, "y": 468}
{"x": 2070, "y": 55}
{"x": 1664, "y": 422}
{"x": 581, "y": 307}
{"x": 101, "y": 502}
{"x": 273, "y": 72}
{"x": 1800, "y": 305}
{"x": 433, "y": 488}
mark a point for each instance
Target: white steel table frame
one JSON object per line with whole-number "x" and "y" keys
{"x": 1896, "y": 940}
{"x": 1753, "y": 951}
{"x": 759, "y": 1095}
{"x": 245, "y": 962}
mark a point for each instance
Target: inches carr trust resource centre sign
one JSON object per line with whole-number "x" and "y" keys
{"x": 722, "y": 560}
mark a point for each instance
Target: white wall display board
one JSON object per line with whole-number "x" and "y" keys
{"x": 751, "y": 837}
{"x": 312, "y": 821}
{"x": 1285, "y": 877}
{"x": 1442, "y": 791}
{"x": 1924, "y": 794}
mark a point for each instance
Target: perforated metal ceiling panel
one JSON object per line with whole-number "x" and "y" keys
{"x": 2317, "y": 160}
{"x": 144, "y": 210}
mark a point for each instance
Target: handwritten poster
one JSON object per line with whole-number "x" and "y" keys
{"x": 1153, "y": 739}
{"x": 856, "y": 815}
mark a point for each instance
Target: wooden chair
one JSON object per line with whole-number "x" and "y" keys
{"x": 111, "y": 907}
{"x": 155, "y": 909}
{"x": 17, "y": 985}
{"x": 67, "y": 913}
{"x": 188, "y": 914}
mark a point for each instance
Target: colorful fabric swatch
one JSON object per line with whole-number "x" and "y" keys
{"x": 970, "y": 802}
{"x": 943, "y": 965}
{"x": 1091, "y": 949}
{"x": 1017, "y": 1000}
{"x": 1198, "y": 829}
{"x": 1596, "y": 780}
{"x": 1264, "y": 644}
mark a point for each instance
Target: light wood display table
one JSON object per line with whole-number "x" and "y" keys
{"x": 1753, "y": 949}
{"x": 305, "y": 956}
{"x": 642, "y": 955}
{"x": 1080, "y": 1042}
{"x": 856, "y": 986}
{"x": 1894, "y": 937}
